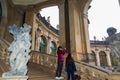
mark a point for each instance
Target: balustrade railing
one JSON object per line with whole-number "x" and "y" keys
{"x": 87, "y": 71}
{"x": 45, "y": 59}
{"x": 90, "y": 72}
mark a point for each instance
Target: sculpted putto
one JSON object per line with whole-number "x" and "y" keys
{"x": 19, "y": 50}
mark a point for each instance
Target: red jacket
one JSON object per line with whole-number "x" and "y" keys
{"x": 60, "y": 54}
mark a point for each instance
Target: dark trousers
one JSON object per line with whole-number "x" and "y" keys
{"x": 70, "y": 74}
{"x": 59, "y": 68}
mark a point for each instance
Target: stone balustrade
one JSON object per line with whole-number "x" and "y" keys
{"x": 85, "y": 70}
{"x": 89, "y": 72}
{"x": 43, "y": 59}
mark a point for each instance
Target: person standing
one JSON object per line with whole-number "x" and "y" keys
{"x": 60, "y": 60}
{"x": 70, "y": 67}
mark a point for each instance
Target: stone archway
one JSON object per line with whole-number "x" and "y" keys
{"x": 73, "y": 21}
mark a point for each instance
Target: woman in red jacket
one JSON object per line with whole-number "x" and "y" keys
{"x": 60, "y": 60}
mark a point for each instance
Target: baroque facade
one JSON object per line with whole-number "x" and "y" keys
{"x": 100, "y": 53}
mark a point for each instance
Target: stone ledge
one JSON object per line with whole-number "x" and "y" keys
{"x": 14, "y": 78}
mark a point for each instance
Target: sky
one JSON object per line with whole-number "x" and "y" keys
{"x": 53, "y": 12}
{"x": 102, "y": 15}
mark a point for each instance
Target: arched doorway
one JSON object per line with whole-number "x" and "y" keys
{"x": 43, "y": 44}
{"x": 43, "y": 48}
{"x": 103, "y": 59}
{"x": 93, "y": 58}
{"x": 53, "y": 48}
{"x": 53, "y": 52}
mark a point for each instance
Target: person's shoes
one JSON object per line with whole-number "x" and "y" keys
{"x": 56, "y": 77}
{"x": 61, "y": 77}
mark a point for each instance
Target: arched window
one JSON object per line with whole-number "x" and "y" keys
{"x": 93, "y": 57}
{"x": 103, "y": 60}
{"x": 53, "y": 48}
{"x": 42, "y": 45}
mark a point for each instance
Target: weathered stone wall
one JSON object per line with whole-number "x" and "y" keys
{"x": 14, "y": 16}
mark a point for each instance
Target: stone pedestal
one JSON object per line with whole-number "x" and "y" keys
{"x": 14, "y": 78}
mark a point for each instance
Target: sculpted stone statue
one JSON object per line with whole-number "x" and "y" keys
{"x": 114, "y": 43}
{"x": 19, "y": 50}
{"x": 111, "y": 31}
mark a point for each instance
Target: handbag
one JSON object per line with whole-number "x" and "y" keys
{"x": 77, "y": 76}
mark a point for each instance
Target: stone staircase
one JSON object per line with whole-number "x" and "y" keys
{"x": 42, "y": 66}
{"x": 38, "y": 72}
{"x": 35, "y": 71}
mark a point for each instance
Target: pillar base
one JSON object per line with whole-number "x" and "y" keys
{"x": 14, "y": 78}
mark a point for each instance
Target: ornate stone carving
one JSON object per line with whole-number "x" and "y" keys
{"x": 19, "y": 50}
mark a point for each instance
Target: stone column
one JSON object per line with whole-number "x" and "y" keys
{"x": 30, "y": 20}
{"x": 36, "y": 38}
{"x": 74, "y": 28}
{"x": 48, "y": 43}
{"x": 62, "y": 24}
{"x": 83, "y": 6}
{"x": 37, "y": 43}
{"x": 75, "y": 31}
{"x": 108, "y": 58}
{"x": 97, "y": 58}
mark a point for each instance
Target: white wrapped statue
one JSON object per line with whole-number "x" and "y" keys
{"x": 19, "y": 50}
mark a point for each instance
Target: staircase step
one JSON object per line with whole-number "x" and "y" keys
{"x": 36, "y": 72}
